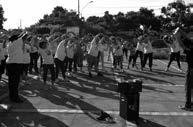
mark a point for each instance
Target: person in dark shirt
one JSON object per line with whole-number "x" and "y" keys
{"x": 187, "y": 46}
{"x": 189, "y": 76}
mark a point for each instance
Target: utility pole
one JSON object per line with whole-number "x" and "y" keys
{"x": 78, "y": 8}
{"x": 20, "y": 24}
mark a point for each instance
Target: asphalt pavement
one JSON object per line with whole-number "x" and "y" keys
{"x": 79, "y": 103}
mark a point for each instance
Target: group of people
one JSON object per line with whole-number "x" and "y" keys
{"x": 21, "y": 52}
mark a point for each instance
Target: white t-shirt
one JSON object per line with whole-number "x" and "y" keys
{"x": 60, "y": 51}
{"x": 70, "y": 51}
{"x": 140, "y": 47}
{"x": 148, "y": 47}
{"x": 118, "y": 51}
{"x": 94, "y": 49}
{"x": 15, "y": 51}
{"x": 175, "y": 47}
{"x": 102, "y": 47}
{"x": 53, "y": 46}
{"x": 46, "y": 56}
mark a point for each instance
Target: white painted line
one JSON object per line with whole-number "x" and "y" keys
{"x": 109, "y": 112}
{"x": 170, "y": 65}
{"x": 167, "y": 113}
{"x": 162, "y": 85}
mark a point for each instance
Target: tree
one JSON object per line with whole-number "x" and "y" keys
{"x": 177, "y": 13}
{"x": 2, "y": 19}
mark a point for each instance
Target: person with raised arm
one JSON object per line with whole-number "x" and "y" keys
{"x": 148, "y": 52}
{"x": 14, "y": 65}
{"x": 92, "y": 55}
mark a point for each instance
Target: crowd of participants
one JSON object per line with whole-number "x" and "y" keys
{"x": 26, "y": 53}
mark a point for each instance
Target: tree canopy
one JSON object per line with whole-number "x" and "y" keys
{"x": 2, "y": 19}
{"x": 174, "y": 13}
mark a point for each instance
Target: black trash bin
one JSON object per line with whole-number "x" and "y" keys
{"x": 129, "y": 99}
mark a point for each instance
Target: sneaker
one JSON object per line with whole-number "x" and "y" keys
{"x": 185, "y": 108}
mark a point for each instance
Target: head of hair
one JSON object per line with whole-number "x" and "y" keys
{"x": 42, "y": 44}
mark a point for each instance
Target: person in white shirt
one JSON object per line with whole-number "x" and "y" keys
{"x": 174, "y": 52}
{"x": 148, "y": 52}
{"x": 14, "y": 65}
{"x": 125, "y": 49}
{"x": 34, "y": 55}
{"x": 92, "y": 57}
{"x": 102, "y": 48}
{"x": 48, "y": 61}
{"x": 118, "y": 55}
{"x": 139, "y": 50}
{"x": 78, "y": 55}
{"x": 59, "y": 59}
{"x": 70, "y": 54}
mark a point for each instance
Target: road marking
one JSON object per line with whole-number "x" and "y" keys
{"x": 170, "y": 65}
{"x": 109, "y": 112}
{"x": 167, "y": 84}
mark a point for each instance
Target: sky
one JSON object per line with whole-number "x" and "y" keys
{"x": 28, "y": 12}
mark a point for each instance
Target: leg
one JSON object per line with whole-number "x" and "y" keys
{"x": 136, "y": 55}
{"x": 70, "y": 64}
{"x": 31, "y": 63}
{"x": 172, "y": 57}
{"x": 14, "y": 72}
{"x": 57, "y": 63}
{"x": 141, "y": 58}
{"x": 52, "y": 72}
{"x": 120, "y": 61}
{"x": 75, "y": 61}
{"x": 102, "y": 59}
{"x": 63, "y": 70}
{"x": 145, "y": 60}
{"x": 90, "y": 61}
{"x": 178, "y": 59}
{"x": 45, "y": 72}
{"x": 150, "y": 61}
{"x": 36, "y": 56}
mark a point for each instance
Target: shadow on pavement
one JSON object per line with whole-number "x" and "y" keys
{"x": 63, "y": 98}
{"x": 163, "y": 73}
{"x": 28, "y": 119}
{"x": 149, "y": 77}
{"x": 147, "y": 123}
{"x": 157, "y": 89}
